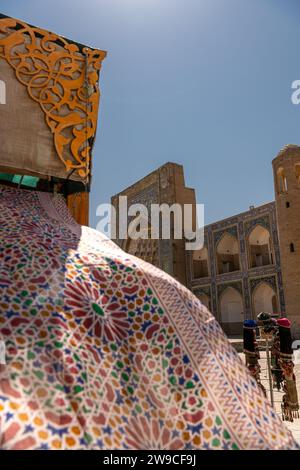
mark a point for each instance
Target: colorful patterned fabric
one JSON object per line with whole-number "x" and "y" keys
{"x": 104, "y": 351}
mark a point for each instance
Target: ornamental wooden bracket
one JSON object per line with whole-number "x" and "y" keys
{"x": 62, "y": 78}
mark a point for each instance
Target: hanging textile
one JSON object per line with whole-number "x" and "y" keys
{"x": 290, "y": 403}
{"x": 269, "y": 331}
{"x": 252, "y": 352}
{"x": 275, "y": 359}
{"x": 105, "y": 351}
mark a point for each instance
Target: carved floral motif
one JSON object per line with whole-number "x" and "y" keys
{"x": 64, "y": 81}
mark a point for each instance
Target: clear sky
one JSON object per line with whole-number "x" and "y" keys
{"x": 205, "y": 83}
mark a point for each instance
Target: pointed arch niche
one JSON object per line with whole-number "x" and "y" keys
{"x": 282, "y": 186}
{"x": 200, "y": 263}
{"x": 264, "y": 299}
{"x": 228, "y": 258}
{"x": 260, "y": 249}
{"x": 231, "y": 311}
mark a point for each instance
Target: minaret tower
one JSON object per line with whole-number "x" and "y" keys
{"x": 286, "y": 168}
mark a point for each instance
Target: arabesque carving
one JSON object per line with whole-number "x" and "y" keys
{"x": 64, "y": 81}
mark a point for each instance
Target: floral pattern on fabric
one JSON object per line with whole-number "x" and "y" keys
{"x": 104, "y": 351}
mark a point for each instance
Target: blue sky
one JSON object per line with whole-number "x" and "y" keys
{"x": 205, "y": 83}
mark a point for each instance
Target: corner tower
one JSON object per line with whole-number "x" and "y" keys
{"x": 286, "y": 168}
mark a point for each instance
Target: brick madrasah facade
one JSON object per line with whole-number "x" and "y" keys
{"x": 250, "y": 262}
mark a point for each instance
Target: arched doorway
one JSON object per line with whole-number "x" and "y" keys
{"x": 259, "y": 247}
{"x": 264, "y": 299}
{"x": 205, "y": 300}
{"x": 281, "y": 181}
{"x": 232, "y": 311}
{"x": 200, "y": 263}
{"x": 228, "y": 258}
